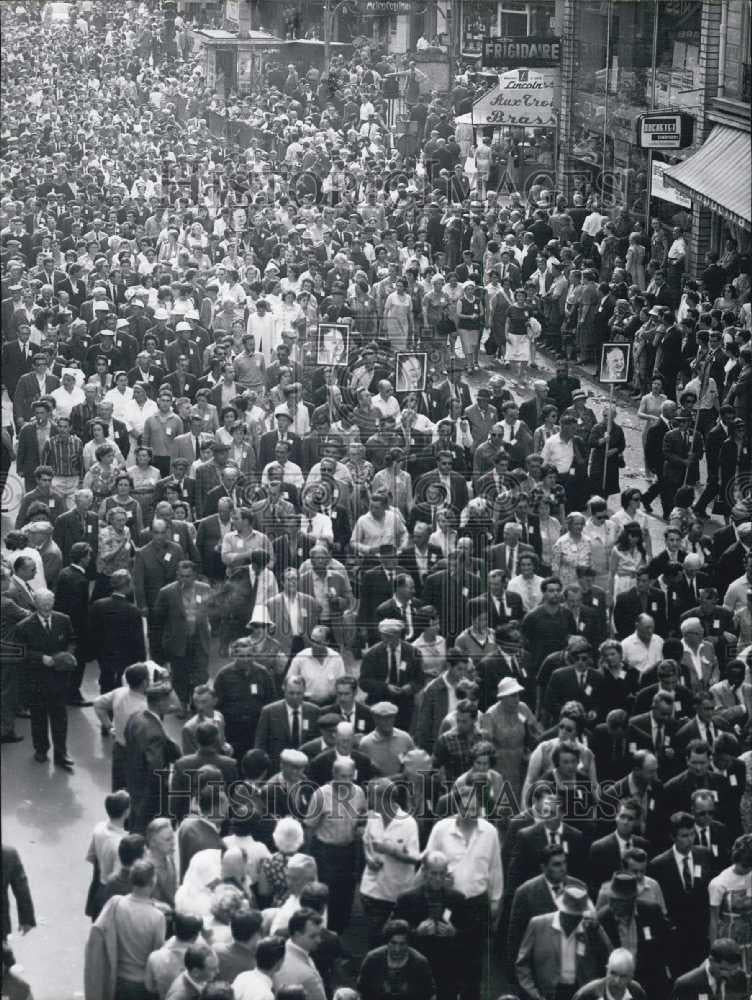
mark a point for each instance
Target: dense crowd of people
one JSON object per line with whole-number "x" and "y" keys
{"x": 435, "y": 677}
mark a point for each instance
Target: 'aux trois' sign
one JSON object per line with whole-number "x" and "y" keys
{"x": 521, "y": 97}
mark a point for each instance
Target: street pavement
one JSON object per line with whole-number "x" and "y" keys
{"x": 48, "y": 815}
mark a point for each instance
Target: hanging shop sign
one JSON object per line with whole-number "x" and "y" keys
{"x": 521, "y": 97}
{"x": 665, "y": 130}
{"x": 513, "y": 53}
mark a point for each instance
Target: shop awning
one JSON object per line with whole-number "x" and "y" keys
{"x": 718, "y": 175}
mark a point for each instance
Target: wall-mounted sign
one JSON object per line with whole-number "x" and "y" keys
{"x": 370, "y": 7}
{"x": 659, "y": 189}
{"x": 521, "y": 97}
{"x": 665, "y": 130}
{"x": 512, "y": 53}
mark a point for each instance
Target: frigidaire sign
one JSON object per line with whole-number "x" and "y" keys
{"x": 511, "y": 53}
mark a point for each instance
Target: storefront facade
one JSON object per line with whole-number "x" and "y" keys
{"x": 481, "y": 19}
{"x": 622, "y": 58}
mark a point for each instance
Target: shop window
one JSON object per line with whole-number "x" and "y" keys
{"x": 513, "y": 18}
{"x": 479, "y": 20}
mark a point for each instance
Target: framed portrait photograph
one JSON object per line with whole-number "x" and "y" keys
{"x": 411, "y": 372}
{"x": 332, "y": 344}
{"x": 614, "y": 368}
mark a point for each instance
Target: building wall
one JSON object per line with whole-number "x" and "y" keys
{"x": 736, "y": 78}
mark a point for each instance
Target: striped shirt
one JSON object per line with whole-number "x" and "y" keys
{"x": 64, "y": 454}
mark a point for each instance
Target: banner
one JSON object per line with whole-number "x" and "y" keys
{"x": 658, "y": 189}
{"x": 521, "y": 97}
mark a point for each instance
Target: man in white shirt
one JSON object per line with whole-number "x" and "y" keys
{"x": 736, "y": 594}
{"x": 643, "y": 648}
{"x": 291, "y": 472}
{"x": 319, "y": 666}
{"x": 68, "y": 394}
{"x": 471, "y": 847}
{"x": 699, "y": 655}
{"x": 385, "y": 401}
{"x": 258, "y": 984}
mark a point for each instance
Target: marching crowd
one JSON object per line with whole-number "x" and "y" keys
{"x": 433, "y": 673}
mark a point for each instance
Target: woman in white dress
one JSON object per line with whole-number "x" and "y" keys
{"x": 631, "y": 500}
{"x": 398, "y": 316}
{"x": 730, "y": 897}
{"x": 626, "y": 558}
{"x": 517, "y": 338}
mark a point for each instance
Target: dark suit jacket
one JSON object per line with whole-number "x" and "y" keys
{"x": 375, "y": 588}
{"x": 196, "y": 834}
{"x": 451, "y": 597}
{"x": 434, "y": 708}
{"x": 457, "y": 485}
{"x": 153, "y": 570}
{"x": 181, "y": 383}
{"x": 628, "y": 606}
{"x": 391, "y": 609}
{"x": 605, "y": 858}
{"x": 209, "y": 545}
{"x": 413, "y": 906}
{"x": 731, "y": 565}
{"x": 563, "y": 687}
{"x": 320, "y": 768}
{"x": 530, "y": 532}
{"x": 119, "y": 632}
{"x": 27, "y": 391}
{"x": 363, "y": 718}
{"x": 183, "y": 782}
{"x": 53, "y": 500}
{"x": 170, "y": 626}
{"x": 273, "y": 730}
{"x": 690, "y": 730}
{"x": 72, "y": 599}
{"x": 27, "y": 450}
{"x": 678, "y": 795}
{"x": 40, "y": 642}
{"x": 148, "y": 753}
{"x": 15, "y": 364}
{"x": 69, "y": 529}
{"x": 14, "y": 878}
{"x": 682, "y": 699}
{"x": 374, "y": 678}
{"x": 531, "y": 899}
{"x": 667, "y": 766}
{"x": 675, "y": 449}
{"x": 529, "y": 843}
{"x": 207, "y": 477}
{"x": 268, "y": 442}
{"x": 654, "y": 446}
{"x": 408, "y": 560}
{"x": 695, "y": 985}
{"x": 688, "y": 911}
{"x": 211, "y": 503}
{"x": 499, "y": 557}
{"x": 529, "y": 412}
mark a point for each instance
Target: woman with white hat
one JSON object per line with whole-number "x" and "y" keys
{"x": 514, "y": 731}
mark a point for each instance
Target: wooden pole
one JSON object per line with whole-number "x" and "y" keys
{"x": 608, "y": 440}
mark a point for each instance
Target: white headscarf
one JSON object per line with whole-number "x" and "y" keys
{"x": 196, "y": 893}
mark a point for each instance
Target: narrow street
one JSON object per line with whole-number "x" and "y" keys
{"x": 49, "y": 814}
